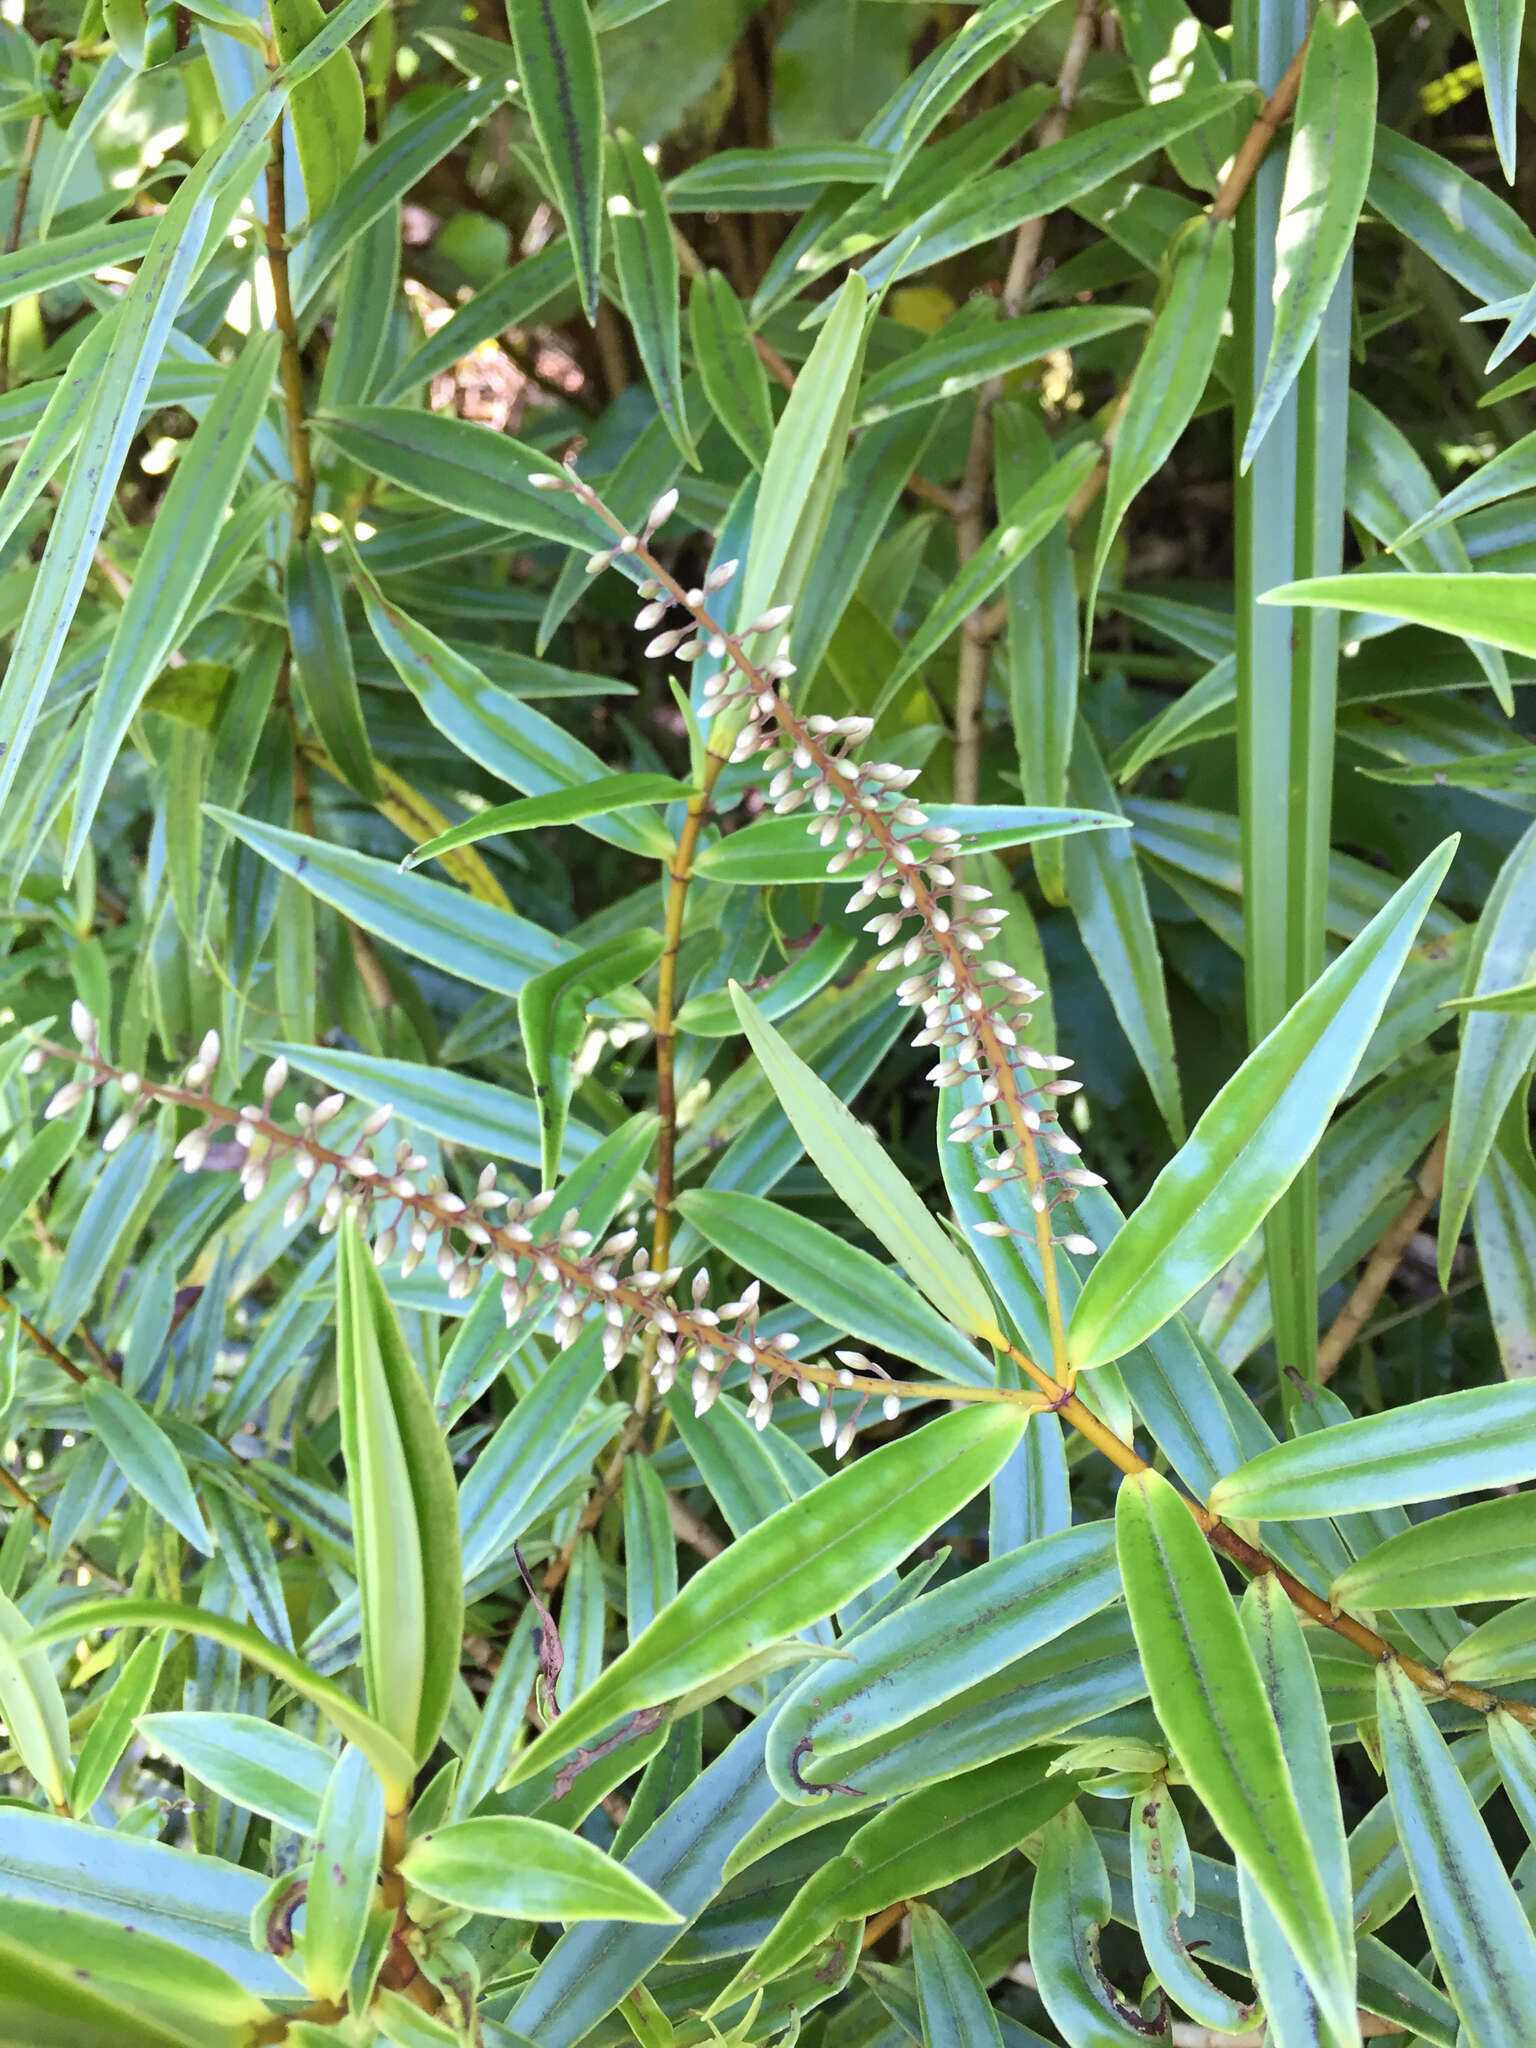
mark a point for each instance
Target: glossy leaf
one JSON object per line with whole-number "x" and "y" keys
{"x": 1476, "y": 1927}
{"x": 561, "y": 807}
{"x": 336, "y": 1907}
{"x": 1497, "y": 1046}
{"x": 866, "y": 1180}
{"x": 1326, "y": 174}
{"x": 735, "y": 382}
{"x": 1252, "y": 1140}
{"x": 1483, "y": 1552}
{"x": 646, "y": 257}
{"x": 552, "y": 1012}
{"x": 323, "y": 663}
{"x": 180, "y": 544}
{"x": 1068, "y": 1907}
{"x": 1210, "y": 1701}
{"x": 1171, "y": 373}
{"x": 562, "y": 85}
{"x": 799, "y": 1259}
{"x": 1474, "y": 1438}
{"x": 949, "y": 365}
{"x": 112, "y": 1730}
{"x": 256, "y": 1763}
{"x": 952, "y": 2001}
{"x": 327, "y": 111}
{"x": 805, "y": 1561}
{"x": 146, "y": 1458}
{"x": 405, "y": 1511}
{"x": 33, "y": 1707}
{"x": 530, "y": 1871}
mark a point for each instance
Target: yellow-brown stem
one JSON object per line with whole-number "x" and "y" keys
{"x": 46, "y": 1345}
{"x": 29, "y": 149}
{"x": 20, "y": 1495}
{"x": 1255, "y": 144}
{"x": 287, "y": 326}
{"x": 1383, "y": 1263}
{"x": 679, "y": 875}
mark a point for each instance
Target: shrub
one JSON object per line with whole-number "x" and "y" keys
{"x": 632, "y": 643}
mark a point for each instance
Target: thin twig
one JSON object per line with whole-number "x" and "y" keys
{"x": 287, "y": 327}
{"x": 1383, "y": 1263}
{"x": 1255, "y": 144}
{"x": 24, "y": 170}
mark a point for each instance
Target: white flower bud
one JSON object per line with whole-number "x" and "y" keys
{"x": 82, "y": 1023}
{"x": 661, "y": 511}
{"x": 67, "y": 1098}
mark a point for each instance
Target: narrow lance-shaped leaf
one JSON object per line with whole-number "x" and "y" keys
{"x": 393, "y": 1763}
{"x": 258, "y": 1764}
{"x": 1069, "y": 1906}
{"x": 1503, "y": 606}
{"x": 1326, "y": 174}
{"x": 1163, "y": 1886}
{"x": 1170, "y": 378}
{"x": 404, "y": 1511}
{"x": 1211, "y": 1703}
{"x": 322, "y": 658}
{"x": 804, "y": 1562}
{"x": 1483, "y": 1552}
{"x": 552, "y": 1013}
{"x": 646, "y": 256}
{"x": 868, "y": 1181}
{"x": 181, "y": 541}
{"x": 952, "y": 2001}
{"x": 1252, "y": 1140}
{"x": 529, "y": 1870}
{"x": 735, "y": 382}
{"x": 1453, "y": 1443}
{"x": 1496, "y": 30}
{"x": 341, "y": 1882}
{"x": 1475, "y": 1922}
{"x": 112, "y": 1730}
{"x": 1497, "y": 1046}
{"x": 328, "y": 111}
{"x": 32, "y": 1706}
{"x": 147, "y": 1458}
{"x": 607, "y": 794}
{"x": 562, "y": 86}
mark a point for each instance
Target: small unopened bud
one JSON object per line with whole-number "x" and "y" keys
{"x": 324, "y": 1110}
{"x": 1084, "y": 1247}
{"x": 66, "y": 1099}
{"x": 82, "y": 1023}
{"x": 720, "y": 575}
{"x": 276, "y": 1079}
{"x": 766, "y": 621}
{"x": 661, "y": 511}
{"x": 119, "y": 1130}
{"x": 208, "y": 1051}
{"x": 546, "y": 480}
{"x": 35, "y": 1061}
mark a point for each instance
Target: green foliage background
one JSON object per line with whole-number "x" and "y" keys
{"x": 554, "y": 1490}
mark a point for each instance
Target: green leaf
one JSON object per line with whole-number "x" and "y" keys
{"x": 60, "y": 259}
{"x": 1504, "y": 1221}
{"x": 1473, "y": 235}
{"x": 428, "y": 921}
{"x": 495, "y": 730}
{"x": 979, "y": 209}
{"x": 137, "y": 1889}
{"x": 1031, "y": 517}
{"x": 1495, "y": 27}
{"x": 1252, "y": 1140}
{"x": 781, "y": 850}
{"x": 799, "y": 1259}
{"x": 390, "y": 1760}
{"x": 146, "y": 1457}
{"x": 529, "y": 288}
{"x": 646, "y": 257}
{"x": 1474, "y": 1919}
{"x": 1171, "y": 374}
{"x": 713, "y": 1014}
{"x": 328, "y": 111}
{"x": 203, "y": 203}
{"x": 1501, "y": 1649}
{"x": 342, "y": 1877}
{"x": 1327, "y": 171}
{"x": 1512, "y": 768}
{"x": 804, "y": 1562}
{"x": 936, "y": 1648}
{"x": 322, "y": 658}
{"x": 140, "y": 1968}
{"x": 597, "y": 799}
{"x": 257, "y": 1764}
{"x": 552, "y": 1015}
{"x": 1107, "y": 891}
{"x": 1210, "y": 1702}
{"x": 952, "y": 2001}
{"x": 45, "y": 2005}
{"x": 391, "y": 168}
{"x": 466, "y": 467}
{"x": 1497, "y": 1046}
{"x": 528, "y": 1870}
{"x": 1504, "y": 606}
{"x": 1163, "y": 1888}
{"x": 1069, "y": 1905}
{"x": 735, "y": 382}
{"x": 562, "y": 87}
{"x": 871, "y": 1186}
{"x": 1425, "y": 1450}
{"x": 112, "y": 1730}
{"x": 32, "y": 1706}
{"x": 181, "y": 542}
{"x": 1483, "y": 1552}
{"x": 1504, "y": 475}
{"x": 951, "y": 364}
{"x": 404, "y": 1510}
{"x": 800, "y": 475}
